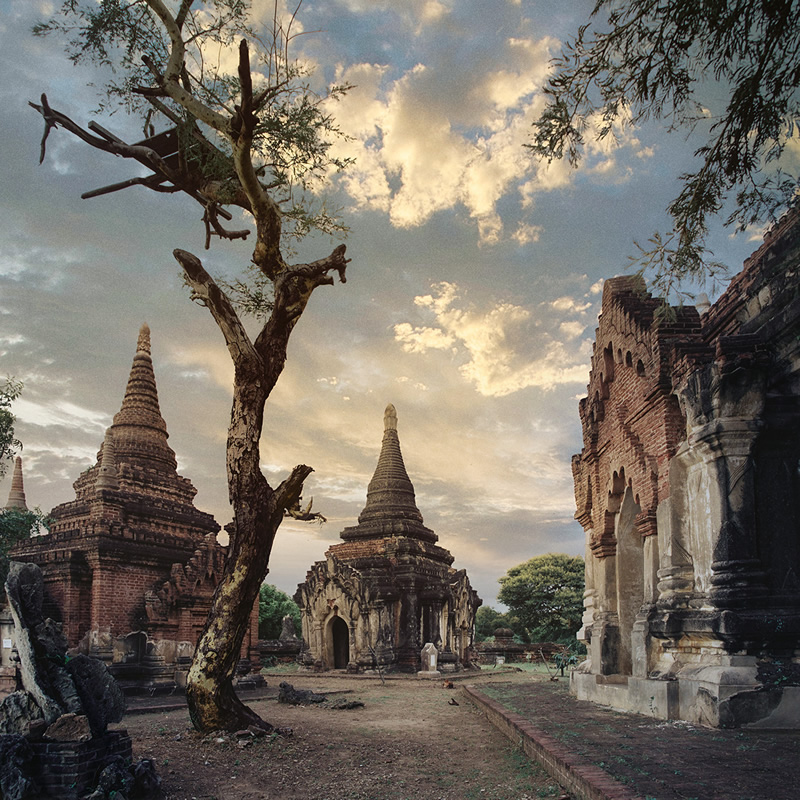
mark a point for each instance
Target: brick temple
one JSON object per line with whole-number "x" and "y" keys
{"x": 689, "y": 492}
{"x": 130, "y": 565}
{"x": 387, "y": 589}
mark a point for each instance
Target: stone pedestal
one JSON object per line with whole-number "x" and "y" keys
{"x": 68, "y": 770}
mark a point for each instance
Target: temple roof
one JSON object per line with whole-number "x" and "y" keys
{"x": 135, "y": 462}
{"x": 16, "y": 497}
{"x": 391, "y": 508}
{"x": 138, "y": 430}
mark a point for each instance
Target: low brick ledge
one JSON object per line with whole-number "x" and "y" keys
{"x": 577, "y": 776}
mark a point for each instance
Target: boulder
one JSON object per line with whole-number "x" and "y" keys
{"x": 41, "y": 646}
{"x": 101, "y": 698}
{"x": 298, "y": 697}
{"x": 18, "y": 712}
{"x": 16, "y": 769}
{"x": 58, "y": 685}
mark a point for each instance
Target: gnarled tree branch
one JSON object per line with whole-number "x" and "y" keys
{"x": 205, "y": 289}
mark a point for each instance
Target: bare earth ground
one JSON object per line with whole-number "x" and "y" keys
{"x": 408, "y": 741}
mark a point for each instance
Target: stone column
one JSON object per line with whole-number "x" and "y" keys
{"x": 737, "y": 576}
{"x": 605, "y": 637}
{"x": 408, "y": 652}
{"x": 676, "y": 572}
{"x": 584, "y": 634}
{"x": 724, "y": 405}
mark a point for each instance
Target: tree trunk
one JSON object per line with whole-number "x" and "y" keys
{"x": 257, "y": 508}
{"x": 258, "y": 512}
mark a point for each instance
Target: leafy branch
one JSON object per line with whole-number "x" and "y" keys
{"x": 638, "y": 60}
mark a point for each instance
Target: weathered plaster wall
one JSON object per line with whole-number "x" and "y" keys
{"x": 689, "y": 491}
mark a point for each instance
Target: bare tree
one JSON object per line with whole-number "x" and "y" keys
{"x": 256, "y": 140}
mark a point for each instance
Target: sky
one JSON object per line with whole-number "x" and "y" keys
{"x": 471, "y": 299}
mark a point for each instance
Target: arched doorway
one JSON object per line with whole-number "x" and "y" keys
{"x": 341, "y": 643}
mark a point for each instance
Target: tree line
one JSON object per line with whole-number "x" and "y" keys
{"x": 544, "y": 596}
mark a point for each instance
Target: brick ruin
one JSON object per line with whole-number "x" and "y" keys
{"x": 130, "y": 565}
{"x": 688, "y": 489}
{"x": 388, "y": 589}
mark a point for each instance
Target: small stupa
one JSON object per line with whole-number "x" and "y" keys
{"x": 16, "y": 496}
{"x": 388, "y": 589}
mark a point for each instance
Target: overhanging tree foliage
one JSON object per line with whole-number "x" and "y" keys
{"x": 16, "y": 525}
{"x": 9, "y": 444}
{"x": 729, "y": 68}
{"x": 257, "y": 140}
{"x": 546, "y": 595}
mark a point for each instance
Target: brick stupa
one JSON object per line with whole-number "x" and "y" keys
{"x": 130, "y": 565}
{"x": 388, "y": 589}
{"x": 16, "y": 496}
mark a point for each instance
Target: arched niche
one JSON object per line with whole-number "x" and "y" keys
{"x": 629, "y": 575}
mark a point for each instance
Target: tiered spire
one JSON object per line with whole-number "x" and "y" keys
{"x": 16, "y": 497}
{"x": 136, "y": 469}
{"x": 391, "y": 507}
{"x": 139, "y": 430}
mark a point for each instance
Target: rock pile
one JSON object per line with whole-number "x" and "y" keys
{"x": 54, "y": 740}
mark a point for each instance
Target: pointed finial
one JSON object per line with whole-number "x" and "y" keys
{"x": 143, "y": 345}
{"x": 390, "y": 418}
{"x": 16, "y": 497}
{"x": 107, "y": 477}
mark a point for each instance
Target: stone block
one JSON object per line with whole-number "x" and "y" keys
{"x": 101, "y": 698}
{"x": 69, "y": 728}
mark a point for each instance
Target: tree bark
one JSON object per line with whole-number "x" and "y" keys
{"x": 258, "y": 508}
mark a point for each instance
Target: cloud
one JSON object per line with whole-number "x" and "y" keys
{"x": 567, "y": 304}
{"x": 415, "y": 13}
{"x": 419, "y": 340}
{"x": 500, "y": 349}
{"x": 525, "y": 233}
{"x": 61, "y": 413}
{"x": 202, "y": 362}
{"x": 434, "y": 138}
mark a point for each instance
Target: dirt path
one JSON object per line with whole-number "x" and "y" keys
{"x": 409, "y": 740}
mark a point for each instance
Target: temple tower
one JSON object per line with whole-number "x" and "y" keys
{"x": 16, "y": 497}
{"x": 130, "y": 565}
{"x": 688, "y": 490}
{"x": 388, "y": 589}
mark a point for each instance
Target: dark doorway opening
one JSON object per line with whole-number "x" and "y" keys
{"x": 341, "y": 643}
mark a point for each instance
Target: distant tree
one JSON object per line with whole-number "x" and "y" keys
{"x": 15, "y": 526}
{"x": 255, "y": 139}
{"x": 546, "y": 594}
{"x": 9, "y": 445}
{"x": 730, "y": 68}
{"x": 273, "y": 606}
{"x": 489, "y": 619}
